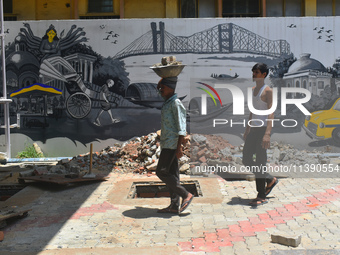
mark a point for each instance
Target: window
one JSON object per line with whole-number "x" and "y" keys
{"x": 188, "y": 8}
{"x": 240, "y": 8}
{"x": 100, "y": 6}
{"x": 10, "y": 18}
{"x": 197, "y": 9}
{"x": 320, "y": 85}
{"x": 328, "y": 7}
{"x": 337, "y": 8}
{"x": 274, "y": 8}
{"x": 292, "y": 8}
{"x": 283, "y": 8}
{"x": 207, "y": 9}
{"x": 8, "y": 6}
{"x": 8, "y": 10}
{"x": 304, "y": 84}
{"x": 324, "y": 8}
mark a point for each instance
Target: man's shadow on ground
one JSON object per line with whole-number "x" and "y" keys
{"x": 243, "y": 201}
{"x": 145, "y": 212}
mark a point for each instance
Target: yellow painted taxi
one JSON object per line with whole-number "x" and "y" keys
{"x": 324, "y": 124}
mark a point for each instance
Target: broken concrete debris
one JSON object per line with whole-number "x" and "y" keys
{"x": 140, "y": 155}
{"x": 286, "y": 239}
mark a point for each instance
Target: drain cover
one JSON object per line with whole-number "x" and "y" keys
{"x": 154, "y": 189}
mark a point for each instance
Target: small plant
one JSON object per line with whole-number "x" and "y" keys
{"x": 29, "y": 152}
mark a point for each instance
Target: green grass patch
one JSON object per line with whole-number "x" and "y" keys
{"x": 29, "y": 152}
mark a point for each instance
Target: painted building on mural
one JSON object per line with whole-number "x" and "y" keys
{"x": 308, "y": 73}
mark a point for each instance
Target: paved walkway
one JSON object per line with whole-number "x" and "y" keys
{"x": 98, "y": 218}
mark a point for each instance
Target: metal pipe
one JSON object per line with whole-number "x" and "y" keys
{"x": 91, "y": 149}
{"x": 75, "y": 9}
{"x": 122, "y": 9}
{"x": 219, "y": 8}
{"x": 20, "y": 160}
{"x": 4, "y": 89}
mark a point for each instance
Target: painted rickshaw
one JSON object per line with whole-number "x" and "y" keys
{"x": 79, "y": 101}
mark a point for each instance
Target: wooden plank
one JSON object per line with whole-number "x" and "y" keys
{"x": 57, "y": 179}
{"x": 10, "y": 214}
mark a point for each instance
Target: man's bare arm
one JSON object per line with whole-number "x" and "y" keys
{"x": 266, "y": 137}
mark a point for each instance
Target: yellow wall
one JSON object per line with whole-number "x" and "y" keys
{"x": 144, "y": 9}
{"x": 310, "y": 7}
{"x": 172, "y": 9}
{"x": 24, "y": 9}
{"x": 53, "y": 9}
{"x": 82, "y": 7}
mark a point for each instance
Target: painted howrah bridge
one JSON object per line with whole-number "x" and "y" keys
{"x": 221, "y": 39}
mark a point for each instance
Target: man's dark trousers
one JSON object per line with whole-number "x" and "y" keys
{"x": 253, "y": 146}
{"x": 168, "y": 171}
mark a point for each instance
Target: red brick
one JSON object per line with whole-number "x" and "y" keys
{"x": 198, "y": 241}
{"x": 254, "y": 220}
{"x": 185, "y": 246}
{"x": 244, "y": 223}
{"x": 331, "y": 191}
{"x": 247, "y": 229}
{"x": 260, "y": 229}
{"x": 202, "y": 159}
{"x": 223, "y": 233}
{"x": 202, "y": 152}
{"x": 252, "y": 233}
{"x": 281, "y": 210}
{"x": 236, "y": 239}
{"x": 278, "y": 220}
{"x": 234, "y": 228}
{"x": 312, "y": 199}
{"x": 263, "y": 216}
{"x": 290, "y": 207}
{"x": 210, "y": 247}
{"x": 210, "y": 236}
{"x": 224, "y": 243}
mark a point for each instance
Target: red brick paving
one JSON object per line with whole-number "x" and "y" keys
{"x": 212, "y": 241}
{"x": 95, "y": 208}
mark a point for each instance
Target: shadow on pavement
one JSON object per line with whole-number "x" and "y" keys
{"x": 144, "y": 212}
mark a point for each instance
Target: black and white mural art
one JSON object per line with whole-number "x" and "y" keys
{"x": 79, "y": 82}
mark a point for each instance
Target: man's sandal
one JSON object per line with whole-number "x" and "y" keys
{"x": 269, "y": 189}
{"x": 168, "y": 210}
{"x": 186, "y": 202}
{"x": 258, "y": 201}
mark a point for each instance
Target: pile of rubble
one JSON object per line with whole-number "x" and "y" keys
{"x": 210, "y": 150}
{"x": 140, "y": 155}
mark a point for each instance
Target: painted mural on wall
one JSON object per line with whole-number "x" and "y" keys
{"x": 90, "y": 80}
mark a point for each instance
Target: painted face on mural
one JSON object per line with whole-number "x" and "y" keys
{"x": 51, "y": 34}
{"x": 110, "y": 83}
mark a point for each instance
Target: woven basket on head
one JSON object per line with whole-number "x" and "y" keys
{"x": 168, "y": 71}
